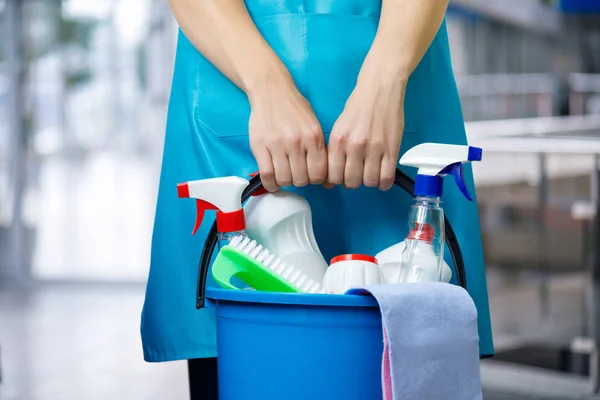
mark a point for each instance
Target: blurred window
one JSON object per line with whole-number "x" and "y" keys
{"x": 93, "y": 134}
{"x": 4, "y": 125}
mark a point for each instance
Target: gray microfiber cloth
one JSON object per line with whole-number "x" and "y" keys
{"x": 431, "y": 341}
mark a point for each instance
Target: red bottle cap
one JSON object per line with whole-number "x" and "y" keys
{"x": 231, "y": 221}
{"x": 353, "y": 257}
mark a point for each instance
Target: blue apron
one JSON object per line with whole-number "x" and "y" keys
{"x": 323, "y": 44}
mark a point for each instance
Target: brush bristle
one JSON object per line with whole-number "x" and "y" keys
{"x": 278, "y": 266}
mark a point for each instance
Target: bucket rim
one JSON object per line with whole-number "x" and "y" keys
{"x": 298, "y": 299}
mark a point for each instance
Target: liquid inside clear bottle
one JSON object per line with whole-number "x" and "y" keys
{"x": 423, "y": 256}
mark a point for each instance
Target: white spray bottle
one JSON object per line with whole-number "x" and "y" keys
{"x": 422, "y": 257}
{"x": 223, "y": 195}
{"x": 282, "y": 222}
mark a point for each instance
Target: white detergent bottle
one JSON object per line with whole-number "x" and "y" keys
{"x": 223, "y": 195}
{"x": 390, "y": 262}
{"x": 423, "y": 255}
{"x": 282, "y": 222}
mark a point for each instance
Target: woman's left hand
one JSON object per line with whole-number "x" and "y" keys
{"x": 365, "y": 140}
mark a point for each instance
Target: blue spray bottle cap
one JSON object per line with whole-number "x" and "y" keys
{"x": 436, "y": 160}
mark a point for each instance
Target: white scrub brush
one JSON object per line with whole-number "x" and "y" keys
{"x": 256, "y": 266}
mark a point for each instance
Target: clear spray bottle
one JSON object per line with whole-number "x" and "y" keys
{"x": 423, "y": 255}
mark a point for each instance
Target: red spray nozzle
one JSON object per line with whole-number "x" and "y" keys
{"x": 220, "y": 194}
{"x": 201, "y": 207}
{"x": 183, "y": 190}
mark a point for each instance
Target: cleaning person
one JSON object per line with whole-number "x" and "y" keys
{"x": 307, "y": 92}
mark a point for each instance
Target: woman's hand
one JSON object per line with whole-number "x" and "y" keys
{"x": 365, "y": 140}
{"x": 286, "y": 137}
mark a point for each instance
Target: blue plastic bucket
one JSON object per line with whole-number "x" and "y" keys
{"x": 281, "y": 346}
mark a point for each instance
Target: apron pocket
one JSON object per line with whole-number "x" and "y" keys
{"x": 220, "y": 106}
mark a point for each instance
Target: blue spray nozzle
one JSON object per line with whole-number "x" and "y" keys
{"x": 457, "y": 172}
{"x": 435, "y": 160}
{"x": 430, "y": 186}
{"x": 475, "y": 154}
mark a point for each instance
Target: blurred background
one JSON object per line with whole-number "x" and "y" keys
{"x": 84, "y": 86}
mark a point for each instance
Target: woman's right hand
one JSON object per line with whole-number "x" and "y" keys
{"x": 286, "y": 137}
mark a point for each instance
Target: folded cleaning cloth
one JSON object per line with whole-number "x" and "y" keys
{"x": 431, "y": 344}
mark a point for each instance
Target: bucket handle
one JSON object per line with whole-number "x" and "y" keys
{"x": 402, "y": 180}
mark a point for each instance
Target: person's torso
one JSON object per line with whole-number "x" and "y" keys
{"x": 323, "y": 44}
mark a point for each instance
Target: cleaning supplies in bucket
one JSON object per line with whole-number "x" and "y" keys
{"x": 241, "y": 258}
{"x": 352, "y": 271}
{"x": 423, "y": 255}
{"x": 284, "y": 255}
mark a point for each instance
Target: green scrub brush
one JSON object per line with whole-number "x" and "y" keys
{"x": 253, "y": 264}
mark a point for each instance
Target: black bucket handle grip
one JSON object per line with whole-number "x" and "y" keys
{"x": 402, "y": 180}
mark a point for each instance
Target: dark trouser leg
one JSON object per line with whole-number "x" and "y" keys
{"x": 202, "y": 373}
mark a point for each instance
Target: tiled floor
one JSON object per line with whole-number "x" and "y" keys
{"x": 64, "y": 342}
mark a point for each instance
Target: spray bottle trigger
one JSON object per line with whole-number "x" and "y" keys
{"x": 201, "y": 207}
{"x": 458, "y": 174}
